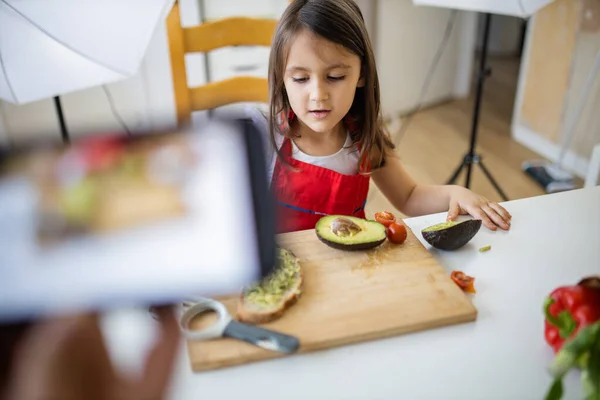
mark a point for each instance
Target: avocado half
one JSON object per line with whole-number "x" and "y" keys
{"x": 350, "y": 233}
{"x": 451, "y": 235}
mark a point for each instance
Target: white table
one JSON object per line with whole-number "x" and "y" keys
{"x": 554, "y": 240}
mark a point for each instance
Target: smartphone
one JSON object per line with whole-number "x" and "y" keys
{"x": 145, "y": 218}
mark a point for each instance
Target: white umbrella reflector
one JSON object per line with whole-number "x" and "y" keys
{"x": 52, "y": 47}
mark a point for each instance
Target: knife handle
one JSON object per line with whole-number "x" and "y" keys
{"x": 261, "y": 337}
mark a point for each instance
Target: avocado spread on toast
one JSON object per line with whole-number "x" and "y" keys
{"x": 273, "y": 287}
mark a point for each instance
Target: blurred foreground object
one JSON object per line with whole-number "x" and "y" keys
{"x": 67, "y": 358}
{"x": 147, "y": 219}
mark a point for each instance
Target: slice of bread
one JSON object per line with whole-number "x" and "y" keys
{"x": 268, "y": 300}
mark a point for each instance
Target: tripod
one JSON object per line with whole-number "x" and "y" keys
{"x": 471, "y": 158}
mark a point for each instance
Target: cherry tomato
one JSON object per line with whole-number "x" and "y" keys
{"x": 396, "y": 233}
{"x": 385, "y": 218}
{"x": 465, "y": 282}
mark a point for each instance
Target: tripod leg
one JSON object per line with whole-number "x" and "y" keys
{"x": 493, "y": 181}
{"x": 468, "y": 177}
{"x": 456, "y": 173}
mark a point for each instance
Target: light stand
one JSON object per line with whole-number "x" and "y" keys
{"x": 471, "y": 158}
{"x": 61, "y": 120}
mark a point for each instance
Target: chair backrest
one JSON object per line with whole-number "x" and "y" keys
{"x": 232, "y": 31}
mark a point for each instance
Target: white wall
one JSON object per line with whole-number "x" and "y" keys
{"x": 505, "y": 34}
{"x": 28, "y": 121}
{"x": 405, "y": 39}
{"x": 369, "y": 11}
{"x": 408, "y": 38}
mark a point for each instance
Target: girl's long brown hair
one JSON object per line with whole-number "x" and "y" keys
{"x": 341, "y": 22}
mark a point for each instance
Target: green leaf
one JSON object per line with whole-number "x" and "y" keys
{"x": 591, "y": 383}
{"x": 595, "y": 396}
{"x": 582, "y": 362}
{"x": 563, "y": 362}
{"x": 574, "y": 349}
{"x": 587, "y": 387}
{"x": 556, "y": 390}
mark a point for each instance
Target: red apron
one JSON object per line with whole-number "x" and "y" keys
{"x": 304, "y": 196}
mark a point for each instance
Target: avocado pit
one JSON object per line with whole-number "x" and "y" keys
{"x": 344, "y": 227}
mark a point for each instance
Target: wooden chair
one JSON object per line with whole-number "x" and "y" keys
{"x": 232, "y": 31}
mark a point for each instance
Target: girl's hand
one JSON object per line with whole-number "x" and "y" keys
{"x": 463, "y": 201}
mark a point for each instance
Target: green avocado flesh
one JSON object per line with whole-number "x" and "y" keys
{"x": 350, "y": 233}
{"x": 440, "y": 226}
{"x": 273, "y": 287}
{"x": 451, "y": 235}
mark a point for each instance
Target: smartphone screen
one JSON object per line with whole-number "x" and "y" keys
{"x": 145, "y": 219}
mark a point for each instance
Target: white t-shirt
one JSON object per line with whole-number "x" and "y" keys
{"x": 344, "y": 161}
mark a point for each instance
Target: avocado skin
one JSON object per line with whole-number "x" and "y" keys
{"x": 454, "y": 237}
{"x": 339, "y": 244}
{"x": 351, "y": 247}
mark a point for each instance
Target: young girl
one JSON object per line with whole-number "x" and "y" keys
{"x": 326, "y": 135}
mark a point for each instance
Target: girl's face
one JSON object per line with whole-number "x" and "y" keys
{"x": 320, "y": 79}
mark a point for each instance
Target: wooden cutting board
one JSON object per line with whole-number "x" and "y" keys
{"x": 349, "y": 297}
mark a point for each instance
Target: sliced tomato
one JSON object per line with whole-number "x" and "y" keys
{"x": 385, "y": 218}
{"x": 465, "y": 282}
{"x": 396, "y": 233}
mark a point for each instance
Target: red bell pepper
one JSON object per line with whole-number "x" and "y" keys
{"x": 570, "y": 308}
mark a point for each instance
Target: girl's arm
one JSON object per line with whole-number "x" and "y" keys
{"x": 413, "y": 199}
